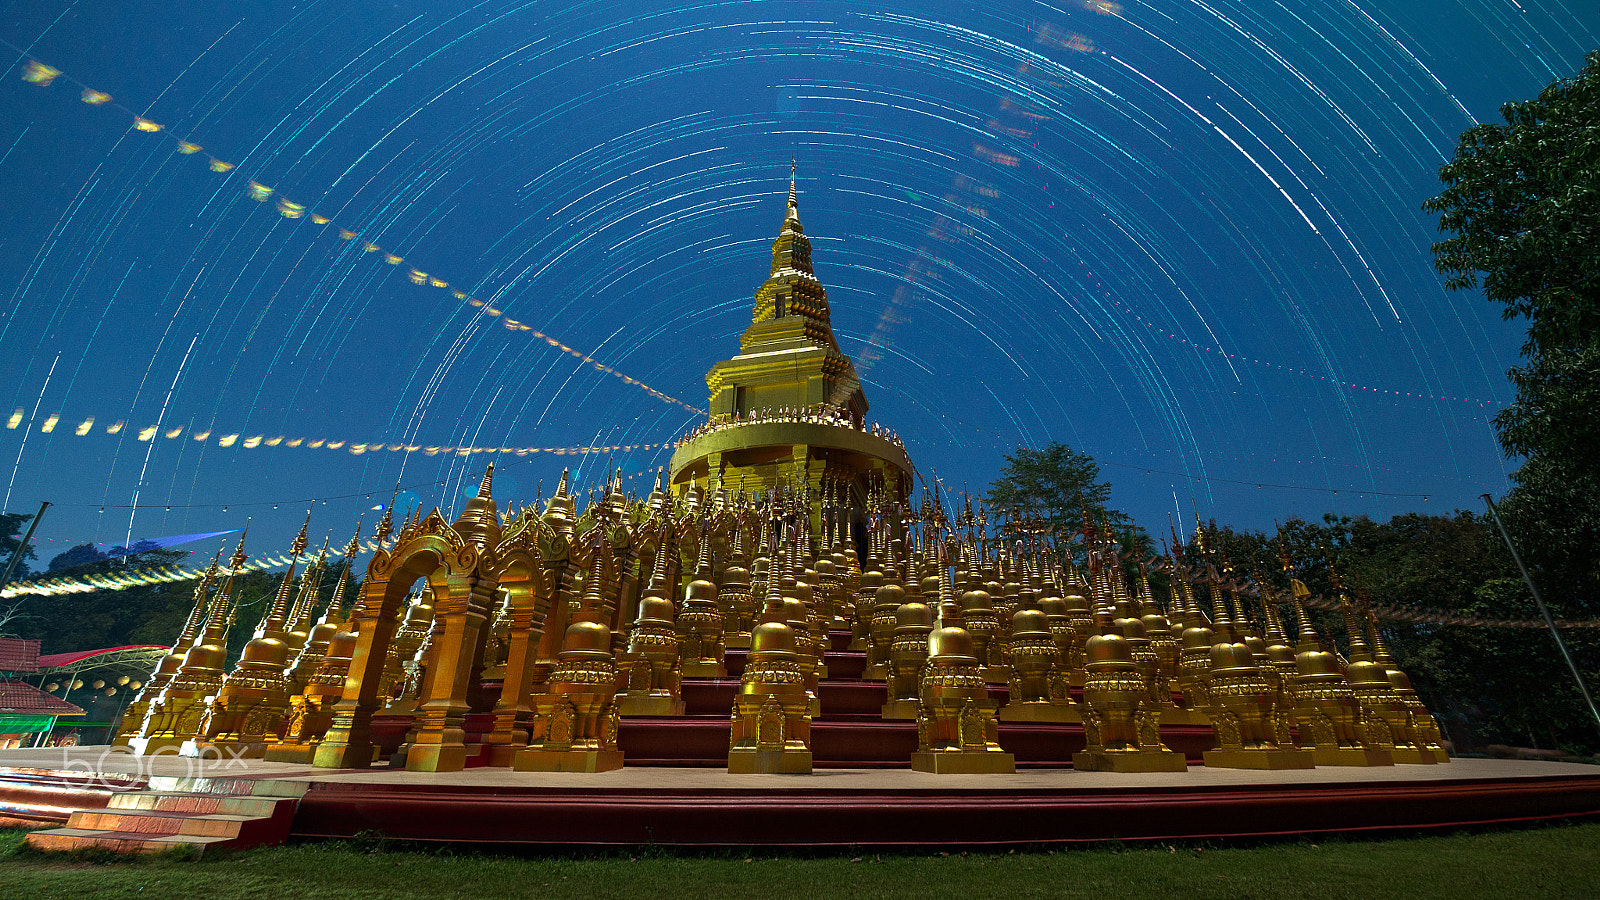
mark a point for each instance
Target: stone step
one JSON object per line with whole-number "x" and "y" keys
{"x": 250, "y": 787}
{"x": 155, "y": 822}
{"x": 195, "y": 804}
{"x": 200, "y": 818}
{"x": 64, "y": 840}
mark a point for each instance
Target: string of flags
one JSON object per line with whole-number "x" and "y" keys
{"x": 1433, "y": 617}
{"x": 38, "y": 73}
{"x": 238, "y": 439}
{"x": 1235, "y": 357}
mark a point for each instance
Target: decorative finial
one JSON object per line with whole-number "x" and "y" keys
{"x": 355, "y": 542}
{"x": 238, "y": 552}
{"x": 299, "y": 545}
{"x": 485, "y": 489}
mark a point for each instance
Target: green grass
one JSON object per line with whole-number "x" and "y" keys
{"x": 1556, "y": 861}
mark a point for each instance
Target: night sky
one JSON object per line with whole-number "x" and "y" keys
{"x": 1184, "y": 237}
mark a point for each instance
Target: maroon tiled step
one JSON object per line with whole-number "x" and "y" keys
{"x": 864, "y": 741}
{"x": 212, "y": 813}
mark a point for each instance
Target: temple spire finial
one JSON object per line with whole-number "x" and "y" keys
{"x": 794, "y": 204}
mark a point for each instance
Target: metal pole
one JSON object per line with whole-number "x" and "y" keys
{"x": 16, "y": 556}
{"x": 1544, "y": 611}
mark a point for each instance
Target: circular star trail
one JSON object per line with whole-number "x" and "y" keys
{"x": 1184, "y": 237}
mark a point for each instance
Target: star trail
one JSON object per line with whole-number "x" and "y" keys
{"x": 1184, "y": 236}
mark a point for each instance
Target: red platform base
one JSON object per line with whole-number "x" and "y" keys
{"x": 879, "y": 809}
{"x": 840, "y": 807}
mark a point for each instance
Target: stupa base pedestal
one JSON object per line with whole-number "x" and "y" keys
{"x": 501, "y": 756}
{"x": 736, "y": 641}
{"x": 649, "y": 705}
{"x": 1129, "y": 761}
{"x": 1178, "y": 715}
{"x": 1258, "y": 759}
{"x": 1350, "y": 756}
{"x": 905, "y": 710}
{"x": 436, "y": 757}
{"x": 995, "y": 674}
{"x": 1413, "y": 756}
{"x": 875, "y": 672}
{"x": 769, "y": 762}
{"x": 534, "y": 760}
{"x": 155, "y": 746}
{"x": 961, "y": 762}
{"x": 699, "y": 668}
{"x": 291, "y": 753}
{"x": 223, "y": 749}
{"x": 1040, "y": 711}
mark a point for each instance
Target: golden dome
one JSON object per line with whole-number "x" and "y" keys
{"x": 205, "y": 656}
{"x": 1316, "y": 662}
{"x": 1108, "y": 649}
{"x": 890, "y": 594}
{"x": 265, "y": 652}
{"x": 772, "y": 637}
{"x": 953, "y": 644}
{"x": 1231, "y": 656}
{"x": 913, "y": 614}
{"x": 657, "y": 610}
{"x": 590, "y": 637}
{"x": 1029, "y": 621}
{"x": 700, "y": 589}
{"x": 977, "y": 600}
{"x": 1368, "y": 673}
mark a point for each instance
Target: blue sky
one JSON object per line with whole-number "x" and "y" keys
{"x": 1184, "y": 237}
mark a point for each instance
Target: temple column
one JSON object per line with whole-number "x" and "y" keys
{"x": 439, "y": 744}
{"x": 348, "y": 743}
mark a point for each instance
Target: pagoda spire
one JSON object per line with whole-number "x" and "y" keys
{"x": 793, "y": 213}
{"x": 788, "y": 357}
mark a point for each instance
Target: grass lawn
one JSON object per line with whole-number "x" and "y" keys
{"x": 1555, "y": 861}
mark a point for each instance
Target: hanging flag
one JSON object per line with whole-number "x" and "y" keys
{"x": 218, "y": 165}
{"x": 39, "y": 73}
{"x": 94, "y": 97}
{"x": 140, "y": 123}
{"x": 187, "y": 148}
{"x": 289, "y": 209}
{"x": 258, "y": 191}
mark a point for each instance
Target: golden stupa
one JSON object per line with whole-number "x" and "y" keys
{"x": 787, "y": 409}
{"x": 783, "y": 556}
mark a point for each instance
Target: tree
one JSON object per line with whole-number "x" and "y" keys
{"x": 11, "y": 527}
{"x": 1523, "y": 202}
{"x": 1060, "y": 486}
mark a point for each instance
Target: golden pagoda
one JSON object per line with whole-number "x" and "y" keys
{"x": 788, "y": 409}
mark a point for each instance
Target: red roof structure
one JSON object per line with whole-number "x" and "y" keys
{"x": 65, "y": 660}
{"x": 17, "y": 655}
{"x": 19, "y": 699}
